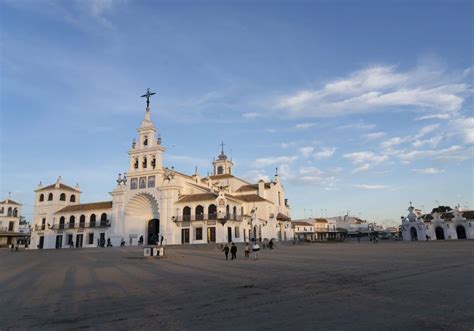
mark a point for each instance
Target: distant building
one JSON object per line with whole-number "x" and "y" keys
{"x": 303, "y": 231}
{"x": 316, "y": 229}
{"x": 438, "y": 225}
{"x": 10, "y": 215}
{"x": 353, "y": 225}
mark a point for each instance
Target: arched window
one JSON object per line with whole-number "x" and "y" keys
{"x": 72, "y": 198}
{"x": 50, "y": 197}
{"x": 92, "y": 220}
{"x": 227, "y": 211}
{"x": 234, "y": 211}
{"x": 212, "y": 211}
{"x": 15, "y": 212}
{"x": 62, "y": 220}
{"x": 220, "y": 170}
{"x": 186, "y": 213}
{"x": 199, "y": 212}
{"x": 135, "y": 164}
{"x": 144, "y": 162}
{"x": 145, "y": 141}
{"x": 82, "y": 221}
{"x": 103, "y": 219}
{"x": 62, "y": 197}
{"x": 9, "y": 213}
{"x": 41, "y": 199}
{"x": 72, "y": 220}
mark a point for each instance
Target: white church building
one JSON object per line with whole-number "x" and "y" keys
{"x": 151, "y": 203}
{"x": 448, "y": 225}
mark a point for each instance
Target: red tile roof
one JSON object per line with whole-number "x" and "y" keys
{"x": 10, "y": 201}
{"x": 61, "y": 186}
{"x": 86, "y": 206}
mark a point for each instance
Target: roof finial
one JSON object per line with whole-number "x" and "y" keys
{"x": 222, "y": 145}
{"x": 148, "y": 95}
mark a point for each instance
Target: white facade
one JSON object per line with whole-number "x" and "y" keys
{"x": 154, "y": 202}
{"x": 454, "y": 224}
{"x": 10, "y": 214}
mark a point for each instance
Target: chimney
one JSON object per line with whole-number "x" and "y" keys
{"x": 261, "y": 188}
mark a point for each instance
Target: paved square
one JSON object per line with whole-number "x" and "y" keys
{"x": 392, "y": 285}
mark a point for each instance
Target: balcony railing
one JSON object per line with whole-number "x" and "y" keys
{"x": 40, "y": 227}
{"x": 206, "y": 217}
{"x": 81, "y": 225}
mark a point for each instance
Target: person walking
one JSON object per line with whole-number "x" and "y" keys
{"x": 270, "y": 244}
{"x": 233, "y": 252}
{"x": 247, "y": 250}
{"x": 226, "y": 251}
{"x": 255, "y": 250}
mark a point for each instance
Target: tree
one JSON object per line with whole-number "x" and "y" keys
{"x": 441, "y": 209}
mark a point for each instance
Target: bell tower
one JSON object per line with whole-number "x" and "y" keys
{"x": 222, "y": 166}
{"x": 146, "y": 153}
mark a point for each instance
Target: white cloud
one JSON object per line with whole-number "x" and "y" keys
{"x": 426, "y": 88}
{"x": 375, "y": 135}
{"x": 325, "y": 153}
{"x": 253, "y": 176}
{"x": 464, "y": 126}
{"x": 365, "y": 157}
{"x": 428, "y": 171}
{"x": 432, "y": 142}
{"x": 453, "y": 153}
{"x": 437, "y": 116}
{"x": 358, "y": 125}
{"x": 304, "y": 126}
{"x": 365, "y": 160}
{"x": 251, "y": 115}
{"x": 370, "y": 186}
{"x": 425, "y": 130}
{"x": 362, "y": 168}
{"x": 268, "y": 161}
{"x": 306, "y": 151}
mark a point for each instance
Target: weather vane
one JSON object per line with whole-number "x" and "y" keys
{"x": 147, "y": 95}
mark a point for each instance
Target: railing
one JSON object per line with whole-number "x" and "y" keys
{"x": 3, "y": 229}
{"x": 40, "y": 227}
{"x": 81, "y": 225}
{"x": 202, "y": 217}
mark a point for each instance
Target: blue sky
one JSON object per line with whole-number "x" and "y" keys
{"x": 363, "y": 106}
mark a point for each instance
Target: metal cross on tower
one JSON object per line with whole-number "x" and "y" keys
{"x": 147, "y": 95}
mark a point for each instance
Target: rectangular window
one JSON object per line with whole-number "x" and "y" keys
{"x": 198, "y": 232}
{"x": 237, "y": 232}
{"x": 133, "y": 183}
{"x": 151, "y": 181}
{"x": 142, "y": 182}
{"x": 91, "y": 239}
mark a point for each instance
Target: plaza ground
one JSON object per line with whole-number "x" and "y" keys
{"x": 340, "y": 286}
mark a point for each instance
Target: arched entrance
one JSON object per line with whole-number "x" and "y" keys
{"x": 461, "y": 232}
{"x": 413, "y": 233}
{"x": 439, "y": 233}
{"x": 153, "y": 231}
{"x": 142, "y": 220}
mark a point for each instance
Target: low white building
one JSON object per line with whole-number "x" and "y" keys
{"x": 453, "y": 224}
{"x": 303, "y": 231}
{"x": 152, "y": 203}
{"x": 10, "y": 215}
{"x": 316, "y": 229}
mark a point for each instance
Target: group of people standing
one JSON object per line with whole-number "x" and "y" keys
{"x": 255, "y": 249}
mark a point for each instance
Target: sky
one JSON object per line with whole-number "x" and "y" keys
{"x": 363, "y": 106}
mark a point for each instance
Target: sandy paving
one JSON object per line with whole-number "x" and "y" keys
{"x": 344, "y": 286}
